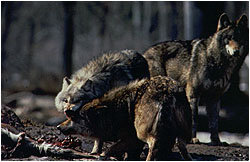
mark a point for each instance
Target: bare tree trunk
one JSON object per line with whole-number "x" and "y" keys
{"x": 174, "y": 24}
{"x": 210, "y": 15}
{"x": 136, "y": 19}
{"x": 5, "y": 32}
{"x": 100, "y": 10}
{"x": 104, "y": 24}
{"x": 68, "y": 37}
{"x": 188, "y": 20}
{"x": 163, "y": 17}
{"x": 146, "y": 20}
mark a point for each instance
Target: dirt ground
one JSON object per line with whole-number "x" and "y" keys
{"x": 49, "y": 134}
{"x": 200, "y": 152}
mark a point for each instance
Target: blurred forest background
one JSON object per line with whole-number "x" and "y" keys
{"x": 41, "y": 42}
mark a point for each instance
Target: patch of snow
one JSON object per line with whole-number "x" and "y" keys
{"x": 226, "y": 137}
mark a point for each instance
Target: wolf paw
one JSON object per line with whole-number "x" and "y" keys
{"x": 195, "y": 141}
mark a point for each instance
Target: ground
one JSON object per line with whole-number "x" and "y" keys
{"x": 37, "y": 117}
{"x": 200, "y": 152}
{"x": 40, "y": 132}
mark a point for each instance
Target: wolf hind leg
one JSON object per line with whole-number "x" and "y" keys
{"x": 194, "y": 106}
{"x": 213, "y": 109}
{"x": 131, "y": 145}
{"x": 116, "y": 150}
{"x": 135, "y": 150}
{"x": 160, "y": 149}
{"x": 183, "y": 150}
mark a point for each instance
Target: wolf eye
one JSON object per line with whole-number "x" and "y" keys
{"x": 65, "y": 100}
{"x": 228, "y": 38}
{"x": 226, "y": 41}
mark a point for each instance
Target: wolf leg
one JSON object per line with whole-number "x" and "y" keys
{"x": 135, "y": 150}
{"x": 160, "y": 149}
{"x": 183, "y": 150}
{"x": 194, "y": 107}
{"x": 152, "y": 149}
{"x": 213, "y": 109}
{"x": 131, "y": 145}
{"x": 97, "y": 148}
{"x": 194, "y": 103}
{"x": 116, "y": 150}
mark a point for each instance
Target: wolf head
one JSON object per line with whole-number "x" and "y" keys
{"x": 75, "y": 94}
{"x": 100, "y": 75}
{"x": 84, "y": 122}
{"x": 232, "y": 35}
{"x": 75, "y": 124}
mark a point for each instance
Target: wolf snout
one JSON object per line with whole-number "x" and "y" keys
{"x": 232, "y": 50}
{"x": 235, "y": 51}
{"x": 232, "y": 47}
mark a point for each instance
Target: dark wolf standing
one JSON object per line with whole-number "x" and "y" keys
{"x": 99, "y": 76}
{"x": 204, "y": 66}
{"x": 155, "y": 111}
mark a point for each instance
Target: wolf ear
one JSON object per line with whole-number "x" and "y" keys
{"x": 223, "y": 22}
{"x": 66, "y": 82}
{"x": 243, "y": 21}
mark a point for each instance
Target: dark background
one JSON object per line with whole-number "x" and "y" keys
{"x": 44, "y": 41}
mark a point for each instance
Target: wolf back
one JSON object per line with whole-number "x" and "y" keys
{"x": 100, "y": 75}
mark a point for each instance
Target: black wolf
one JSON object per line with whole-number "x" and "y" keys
{"x": 99, "y": 76}
{"x": 155, "y": 111}
{"x": 204, "y": 66}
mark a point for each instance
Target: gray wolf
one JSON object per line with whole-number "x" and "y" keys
{"x": 153, "y": 111}
{"x": 204, "y": 66}
{"x": 99, "y": 76}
